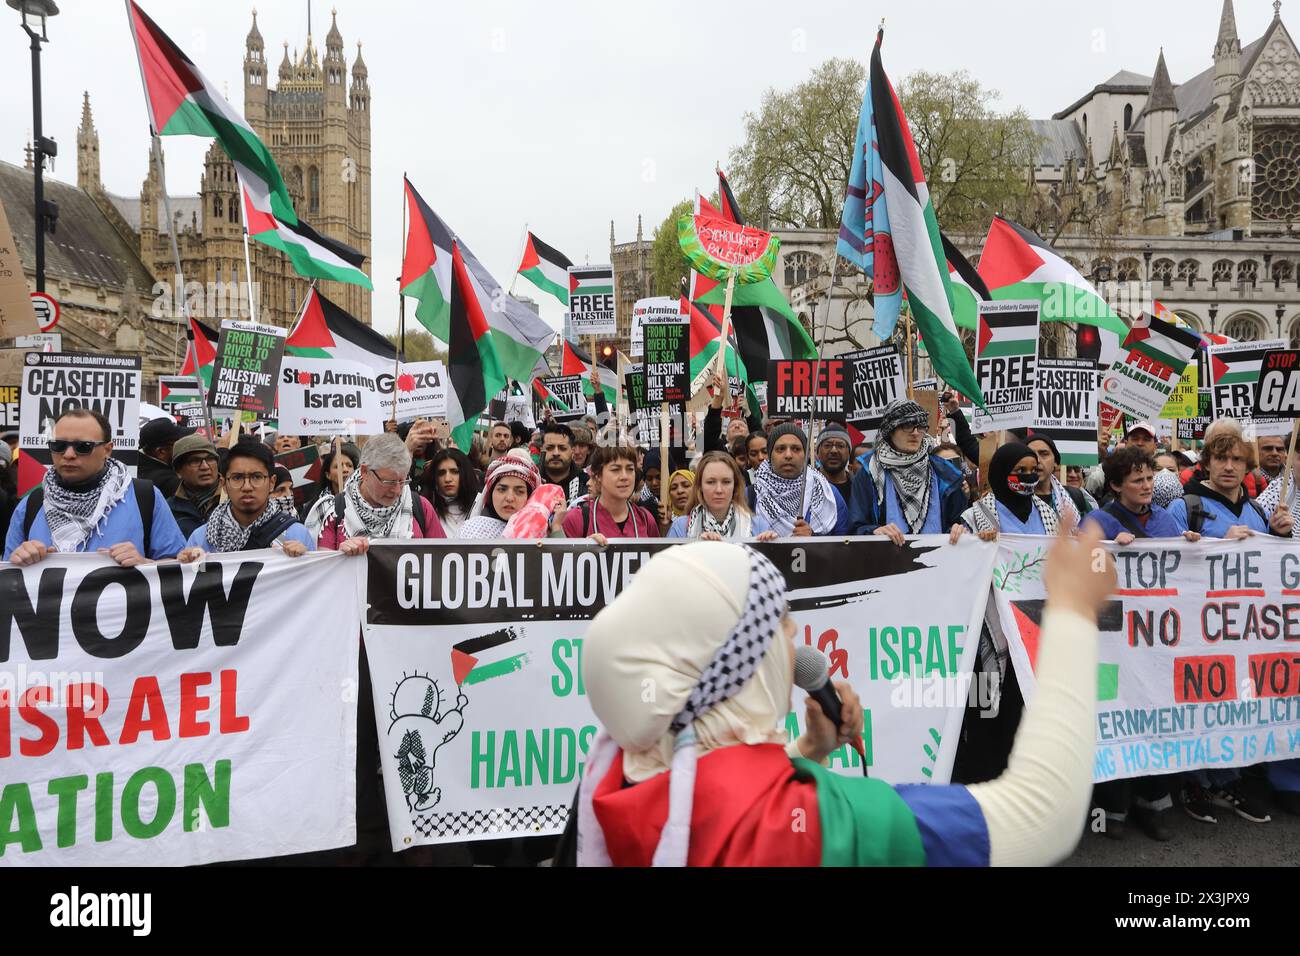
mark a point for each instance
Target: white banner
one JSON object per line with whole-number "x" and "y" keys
{"x": 1200, "y": 651}
{"x": 475, "y": 654}
{"x": 174, "y": 715}
{"x": 421, "y": 392}
{"x": 329, "y": 397}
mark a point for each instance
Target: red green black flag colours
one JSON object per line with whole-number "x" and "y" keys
{"x": 473, "y": 366}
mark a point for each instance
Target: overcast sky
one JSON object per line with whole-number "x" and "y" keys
{"x": 568, "y": 114}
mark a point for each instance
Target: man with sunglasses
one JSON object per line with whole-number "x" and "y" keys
{"x": 89, "y": 502}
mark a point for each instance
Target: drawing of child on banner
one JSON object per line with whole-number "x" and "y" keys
{"x": 421, "y": 727}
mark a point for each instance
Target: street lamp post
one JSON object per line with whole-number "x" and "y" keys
{"x": 1214, "y": 312}
{"x": 46, "y": 213}
{"x": 1279, "y": 311}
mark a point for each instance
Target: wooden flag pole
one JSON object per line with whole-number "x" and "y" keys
{"x": 908, "y": 333}
{"x": 663, "y": 452}
{"x": 401, "y": 308}
{"x": 726, "y": 324}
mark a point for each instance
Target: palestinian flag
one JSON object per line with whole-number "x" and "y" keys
{"x": 1017, "y": 264}
{"x": 968, "y": 289}
{"x": 472, "y": 364}
{"x": 1239, "y": 362}
{"x": 519, "y": 334}
{"x": 200, "y": 352}
{"x": 728, "y": 208}
{"x": 324, "y": 330}
{"x": 706, "y": 327}
{"x": 1164, "y": 343}
{"x": 922, "y": 266}
{"x": 1007, "y": 334}
{"x": 313, "y": 256}
{"x": 182, "y": 102}
{"x": 304, "y": 464}
{"x": 592, "y": 280}
{"x": 547, "y": 268}
{"x": 543, "y": 394}
{"x": 28, "y": 472}
{"x": 578, "y": 362}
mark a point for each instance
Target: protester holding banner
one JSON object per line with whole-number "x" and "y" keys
{"x": 794, "y": 498}
{"x": 378, "y": 500}
{"x": 1012, "y": 505}
{"x": 719, "y": 510}
{"x": 336, "y": 467}
{"x": 251, "y": 517}
{"x": 195, "y": 461}
{"x": 1218, "y": 505}
{"x": 1131, "y": 513}
{"x": 833, "y": 447}
{"x": 1050, "y": 488}
{"x": 557, "y": 460}
{"x": 451, "y": 485}
{"x": 89, "y": 502}
{"x": 904, "y": 486}
{"x": 285, "y": 443}
{"x": 509, "y": 482}
{"x": 611, "y": 514}
{"x": 155, "y": 461}
{"x": 1141, "y": 435}
{"x": 703, "y": 777}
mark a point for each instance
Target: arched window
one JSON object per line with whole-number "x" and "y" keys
{"x": 314, "y": 190}
{"x": 1187, "y": 270}
{"x": 1222, "y": 272}
{"x": 1128, "y": 117}
{"x": 234, "y": 212}
{"x": 218, "y": 211}
{"x": 800, "y": 267}
{"x": 1295, "y": 333}
{"x": 1103, "y": 269}
{"x": 1191, "y": 319}
{"x": 1243, "y": 327}
{"x": 1162, "y": 270}
{"x": 1129, "y": 271}
{"x": 1247, "y": 273}
{"x": 1085, "y": 136}
{"x": 1283, "y": 270}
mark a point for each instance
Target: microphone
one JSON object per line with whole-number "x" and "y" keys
{"x": 812, "y": 675}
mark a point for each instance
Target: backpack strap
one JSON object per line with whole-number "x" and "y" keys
{"x": 417, "y": 506}
{"x": 144, "y": 502}
{"x": 1124, "y": 517}
{"x": 586, "y": 518}
{"x": 35, "y": 499}
{"x": 267, "y": 533}
{"x": 1195, "y": 513}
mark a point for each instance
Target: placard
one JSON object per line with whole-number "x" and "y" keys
{"x": 1156, "y": 354}
{"x": 658, "y": 309}
{"x": 329, "y": 397}
{"x": 420, "y": 389}
{"x": 1193, "y": 429}
{"x": 667, "y": 363}
{"x": 591, "y": 301}
{"x": 11, "y": 386}
{"x": 875, "y": 379}
{"x": 568, "y": 389}
{"x": 1065, "y": 408}
{"x": 1182, "y": 401}
{"x": 1005, "y": 355}
{"x": 1278, "y": 394}
{"x": 56, "y": 381}
{"x": 790, "y": 388}
{"x": 182, "y": 397}
{"x": 17, "y": 317}
{"x": 246, "y": 367}
{"x": 1234, "y": 375}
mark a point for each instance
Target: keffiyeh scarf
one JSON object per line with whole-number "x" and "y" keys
{"x": 361, "y": 519}
{"x": 226, "y": 534}
{"x": 1272, "y": 495}
{"x": 737, "y": 525}
{"x": 983, "y": 515}
{"x": 778, "y": 500}
{"x": 482, "y": 526}
{"x": 911, "y": 476}
{"x": 74, "y": 514}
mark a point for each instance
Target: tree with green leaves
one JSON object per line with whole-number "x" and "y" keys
{"x": 420, "y": 346}
{"x": 667, "y": 264}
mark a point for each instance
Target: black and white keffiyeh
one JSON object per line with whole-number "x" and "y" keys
{"x": 361, "y": 519}
{"x": 779, "y": 500}
{"x": 1272, "y": 495}
{"x": 225, "y": 534}
{"x": 983, "y": 515}
{"x": 737, "y": 525}
{"x": 73, "y": 514}
{"x": 910, "y": 471}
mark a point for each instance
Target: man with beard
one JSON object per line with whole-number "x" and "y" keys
{"x": 833, "y": 445}
{"x": 195, "y": 461}
{"x": 795, "y": 499}
{"x": 557, "y": 460}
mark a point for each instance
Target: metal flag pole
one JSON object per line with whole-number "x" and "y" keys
{"x": 817, "y": 369}
{"x": 401, "y": 309}
{"x": 515, "y": 278}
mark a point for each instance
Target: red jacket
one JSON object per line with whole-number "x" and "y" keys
{"x": 645, "y": 525}
{"x": 332, "y": 534}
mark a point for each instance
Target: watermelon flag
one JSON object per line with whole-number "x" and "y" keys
{"x": 519, "y": 334}
{"x": 547, "y": 268}
{"x": 200, "y": 352}
{"x": 324, "y": 330}
{"x": 1017, "y": 264}
{"x": 578, "y": 362}
{"x": 313, "y": 256}
{"x": 472, "y": 363}
{"x": 182, "y": 102}
{"x": 922, "y": 267}
{"x": 865, "y": 238}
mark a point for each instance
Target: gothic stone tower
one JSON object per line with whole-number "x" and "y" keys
{"x": 319, "y": 134}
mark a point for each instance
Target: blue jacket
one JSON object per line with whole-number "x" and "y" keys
{"x": 295, "y": 532}
{"x": 841, "y": 513}
{"x": 865, "y": 514}
{"x": 123, "y": 523}
{"x": 1161, "y": 524}
{"x": 1219, "y": 515}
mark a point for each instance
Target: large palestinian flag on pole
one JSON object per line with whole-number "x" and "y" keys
{"x": 922, "y": 265}
{"x": 200, "y": 352}
{"x": 313, "y": 256}
{"x": 323, "y": 330}
{"x": 547, "y": 268}
{"x": 182, "y": 102}
{"x": 472, "y": 364}
{"x": 1017, "y": 264}
{"x": 519, "y": 333}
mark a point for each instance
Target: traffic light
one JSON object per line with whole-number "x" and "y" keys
{"x": 605, "y": 351}
{"x": 1087, "y": 342}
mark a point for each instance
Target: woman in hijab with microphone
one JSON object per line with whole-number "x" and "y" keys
{"x": 699, "y": 773}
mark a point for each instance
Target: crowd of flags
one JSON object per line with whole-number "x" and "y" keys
{"x": 888, "y": 229}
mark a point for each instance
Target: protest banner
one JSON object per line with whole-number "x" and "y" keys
{"x": 1066, "y": 408}
{"x": 930, "y": 383}
{"x": 245, "y": 370}
{"x": 667, "y": 360}
{"x": 790, "y": 388}
{"x": 568, "y": 389}
{"x": 1234, "y": 376}
{"x": 475, "y": 655}
{"x": 55, "y": 381}
{"x": 12, "y": 362}
{"x": 1193, "y": 429}
{"x": 657, "y": 309}
{"x": 644, "y": 415}
{"x": 1182, "y": 400}
{"x": 591, "y": 301}
{"x": 875, "y": 379}
{"x": 1005, "y": 354}
{"x": 1140, "y": 381}
{"x": 420, "y": 391}
{"x": 330, "y": 396}
{"x": 1278, "y": 394}
{"x": 17, "y": 317}
{"x": 167, "y": 715}
{"x": 1194, "y": 669}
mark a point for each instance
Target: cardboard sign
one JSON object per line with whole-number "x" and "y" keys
{"x": 1156, "y": 354}
{"x": 55, "y": 381}
{"x": 659, "y": 309}
{"x": 1182, "y": 400}
{"x": 790, "y": 388}
{"x": 420, "y": 391}
{"x": 247, "y": 364}
{"x": 1278, "y": 394}
{"x": 568, "y": 389}
{"x": 329, "y": 397}
{"x": 1193, "y": 429}
{"x": 17, "y": 316}
{"x": 875, "y": 379}
{"x": 667, "y": 363}
{"x": 1234, "y": 377}
{"x": 1065, "y": 408}
{"x": 591, "y": 301}
{"x": 1005, "y": 357}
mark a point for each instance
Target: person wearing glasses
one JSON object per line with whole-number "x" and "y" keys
{"x": 89, "y": 502}
{"x": 194, "y": 459}
{"x": 378, "y": 501}
{"x": 904, "y": 486}
{"x": 251, "y": 518}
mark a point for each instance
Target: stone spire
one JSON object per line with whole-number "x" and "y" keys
{"x": 87, "y": 149}
{"x": 286, "y": 65}
{"x": 1227, "y": 42}
{"x": 1116, "y": 156}
{"x": 1227, "y": 58}
{"x": 1162, "y": 90}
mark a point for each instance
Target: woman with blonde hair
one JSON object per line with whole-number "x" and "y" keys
{"x": 718, "y": 510}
